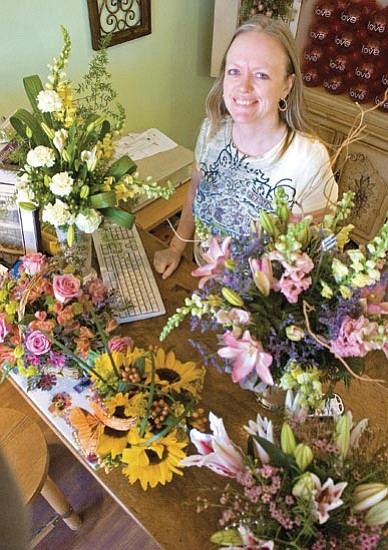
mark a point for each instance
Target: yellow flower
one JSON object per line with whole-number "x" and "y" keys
{"x": 343, "y": 236}
{"x": 155, "y": 463}
{"x": 120, "y": 402}
{"x": 173, "y": 375}
{"x": 111, "y": 442}
{"x": 326, "y": 291}
{"x": 345, "y": 292}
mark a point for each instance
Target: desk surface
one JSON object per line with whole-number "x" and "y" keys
{"x": 169, "y": 513}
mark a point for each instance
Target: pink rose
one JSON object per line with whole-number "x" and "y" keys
{"x": 66, "y": 287}
{"x": 37, "y": 343}
{"x": 33, "y": 263}
{"x": 121, "y": 344}
{"x": 4, "y": 327}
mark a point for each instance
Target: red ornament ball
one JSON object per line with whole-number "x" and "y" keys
{"x": 313, "y": 54}
{"x": 334, "y": 84}
{"x": 366, "y": 71}
{"x": 351, "y": 16}
{"x": 341, "y": 62}
{"x": 311, "y": 76}
{"x": 377, "y": 24}
{"x": 372, "y": 49}
{"x": 325, "y": 11}
{"x": 346, "y": 41}
{"x": 359, "y": 93}
{"x": 320, "y": 34}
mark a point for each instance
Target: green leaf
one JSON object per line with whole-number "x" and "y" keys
{"x": 123, "y": 165}
{"x": 27, "y": 206}
{"x": 23, "y": 118}
{"x": 33, "y": 85}
{"x": 103, "y": 200}
{"x": 125, "y": 219}
{"x": 278, "y": 458}
{"x": 105, "y": 128}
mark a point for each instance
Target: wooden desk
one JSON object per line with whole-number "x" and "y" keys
{"x": 169, "y": 513}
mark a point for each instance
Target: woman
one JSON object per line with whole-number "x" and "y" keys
{"x": 255, "y": 139}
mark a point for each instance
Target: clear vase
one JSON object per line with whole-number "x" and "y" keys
{"x": 80, "y": 253}
{"x": 271, "y": 398}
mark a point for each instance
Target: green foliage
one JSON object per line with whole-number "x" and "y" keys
{"x": 97, "y": 90}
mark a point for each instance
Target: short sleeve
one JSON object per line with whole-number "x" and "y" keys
{"x": 201, "y": 140}
{"x": 319, "y": 188}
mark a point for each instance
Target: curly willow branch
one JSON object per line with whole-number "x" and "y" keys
{"x": 306, "y": 310}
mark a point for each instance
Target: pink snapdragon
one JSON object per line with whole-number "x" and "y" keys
{"x": 217, "y": 450}
{"x": 33, "y": 263}
{"x": 215, "y": 258}
{"x": 248, "y": 354}
{"x": 66, "y": 287}
{"x": 372, "y": 300}
{"x": 351, "y": 341}
{"x": 293, "y": 280}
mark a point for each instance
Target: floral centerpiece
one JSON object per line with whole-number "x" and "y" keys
{"x": 66, "y": 156}
{"x": 320, "y": 483}
{"x": 293, "y": 305}
{"x": 158, "y": 395}
{"x": 54, "y": 323}
{"x": 51, "y": 320}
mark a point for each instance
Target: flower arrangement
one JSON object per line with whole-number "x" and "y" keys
{"x": 55, "y": 323}
{"x": 66, "y": 157}
{"x": 294, "y": 306}
{"x": 320, "y": 483}
{"x": 51, "y": 320}
{"x": 158, "y": 395}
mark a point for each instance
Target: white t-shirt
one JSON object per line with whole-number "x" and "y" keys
{"x": 234, "y": 187}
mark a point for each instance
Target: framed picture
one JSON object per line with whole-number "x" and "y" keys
{"x": 18, "y": 228}
{"x": 126, "y": 20}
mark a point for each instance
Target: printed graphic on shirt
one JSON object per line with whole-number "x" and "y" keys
{"x": 232, "y": 191}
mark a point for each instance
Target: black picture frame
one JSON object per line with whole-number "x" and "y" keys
{"x": 124, "y": 19}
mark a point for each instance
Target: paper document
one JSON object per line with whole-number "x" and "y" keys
{"x": 138, "y": 146}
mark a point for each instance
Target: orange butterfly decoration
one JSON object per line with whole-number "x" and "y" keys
{"x": 89, "y": 429}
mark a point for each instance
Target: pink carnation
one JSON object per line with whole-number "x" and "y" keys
{"x": 37, "y": 343}
{"x": 33, "y": 263}
{"x": 121, "y": 344}
{"x": 66, "y": 287}
{"x": 97, "y": 290}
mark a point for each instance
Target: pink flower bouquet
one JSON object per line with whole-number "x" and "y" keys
{"x": 294, "y": 306}
{"x": 52, "y": 323}
{"x": 314, "y": 484}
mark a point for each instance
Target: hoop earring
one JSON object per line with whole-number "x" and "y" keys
{"x": 283, "y": 105}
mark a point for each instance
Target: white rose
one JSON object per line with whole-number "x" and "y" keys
{"x": 49, "y": 101}
{"x": 88, "y": 223}
{"x": 57, "y": 214}
{"x": 60, "y": 138}
{"x": 41, "y": 156}
{"x": 61, "y": 184}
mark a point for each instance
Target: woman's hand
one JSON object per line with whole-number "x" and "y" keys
{"x": 166, "y": 261}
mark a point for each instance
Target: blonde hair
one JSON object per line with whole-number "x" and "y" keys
{"x": 295, "y": 115}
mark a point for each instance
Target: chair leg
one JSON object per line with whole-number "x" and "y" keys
{"x": 57, "y": 501}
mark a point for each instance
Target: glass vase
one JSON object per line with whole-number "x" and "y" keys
{"x": 80, "y": 253}
{"x": 271, "y": 398}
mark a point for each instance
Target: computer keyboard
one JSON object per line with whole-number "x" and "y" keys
{"x": 124, "y": 267}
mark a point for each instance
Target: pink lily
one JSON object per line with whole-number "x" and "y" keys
{"x": 262, "y": 273}
{"x": 248, "y": 355}
{"x": 250, "y": 542}
{"x": 217, "y": 451}
{"x": 326, "y": 497}
{"x": 215, "y": 259}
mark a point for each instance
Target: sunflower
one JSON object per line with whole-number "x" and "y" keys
{"x": 111, "y": 442}
{"x": 155, "y": 463}
{"x": 173, "y": 375}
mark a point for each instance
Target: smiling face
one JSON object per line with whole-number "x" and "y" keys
{"x": 255, "y": 79}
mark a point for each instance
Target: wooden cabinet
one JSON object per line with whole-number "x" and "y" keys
{"x": 360, "y": 166}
